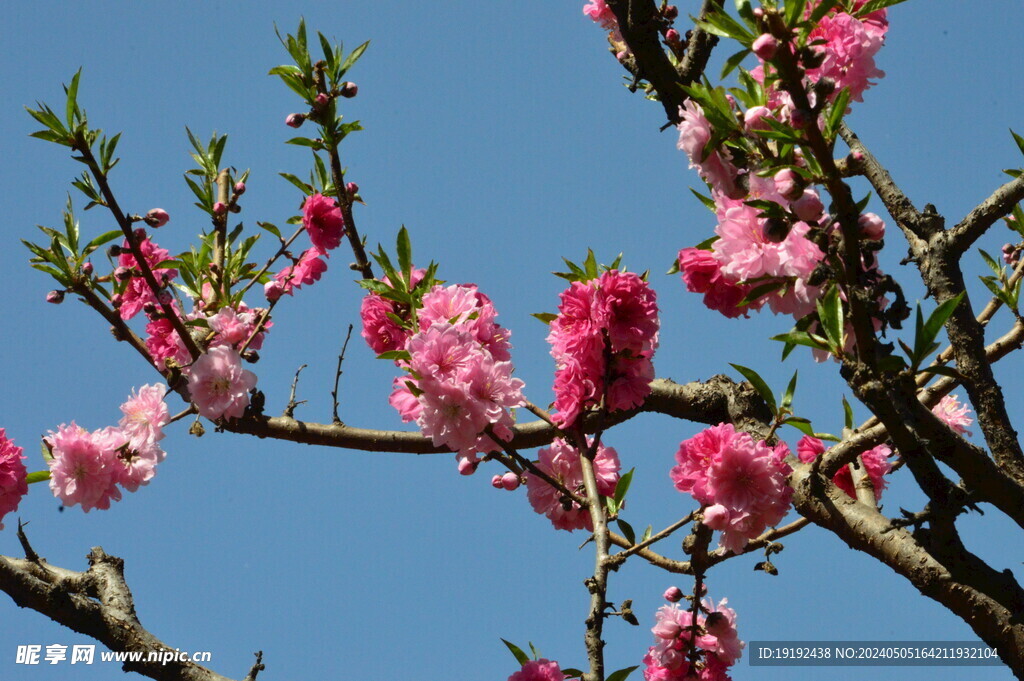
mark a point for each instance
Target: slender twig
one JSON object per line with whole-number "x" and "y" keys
{"x": 653, "y": 539}
{"x": 257, "y": 667}
{"x": 220, "y": 226}
{"x": 121, "y": 330}
{"x": 289, "y": 410}
{"x": 270, "y": 263}
{"x": 177, "y": 417}
{"x": 337, "y": 373}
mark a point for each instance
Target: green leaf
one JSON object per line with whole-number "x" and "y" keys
{"x": 395, "y": 354}
{"x": 707, "y": 244}
{"x": 835, "y": 114}
{"x": 404, "y": 249}
{"x": 627, "y": 530}
{"x": 305, "y": 142}
{"x": 303, "y": 187}
{"x": 830, "y": 312}
{"x": 571, "y": 672}
{"x": 992, "y": 263}
{"x": 847, "y": 414}
{"x": 647, "y": 533}
{"x": 708, "y": 202}
{"x": 759, "y": 385}
{"x": 938, "y": 318}
{"x": 622, "y": 674}
{"x": 733, "y": 62}
{"x": 803, "y": 425}
{"x": 874, "y": 6}
{"x": 787, "y": 398}
{"x": 37, "y": 476}
{"x": 744, "y": 9}
{"x": 795, "y": 12}
{"x": 822, "y": 9}
{"x": 943, "y": 371}
{"x": 352, "y": 58}
{"x": 759, "y": 291}
{"x": 546, "y": 317}
{"x": 72, "y": 100}
{"x": 621, "y": 487}
{"x": 590, "y": 266}
{"x": 520, "y": 656}
{"x": 802, "y": 338}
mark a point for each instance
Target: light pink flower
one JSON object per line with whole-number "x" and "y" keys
{"x": 218, "y": 385}
{"x": 849, "y": 51}
{"x": 539, "y": 670}
{"x": 145, "y": 415}
{"x": 402, "y": 399}
{"x": 137, "y": 292}
{"x": 702, "y": 273}
{"x": 953, "y": 414}
{"x": 307, "y": 270}
{"x": 450, "y": 415}
{"x": 601, "y": 13}
{"x": 694, "y": 134}
{"x": 561, "y": 461}
{"x": 469, "y": 309}
{"x": 12, "y": 476}
{"x": 323, "y": 222}
{"x": 84, "y": 466}
{"x": 721, "y": 638}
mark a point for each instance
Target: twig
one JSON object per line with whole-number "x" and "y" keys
{"x": 30, "y": 553}
{"x": 256, "y": 668}
{"x": 289, "y": 410}
{"x": 337, "y": 373}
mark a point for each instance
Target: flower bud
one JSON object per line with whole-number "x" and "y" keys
{"x": 776, "y": 230}
{"x": 496, "y": 482}
{"x": 149, "y": 307}
{"x": 114, "y": 251}
{"x": 220, "y": 208}
{"x": 349, "y": 90}
{"x": 55, "y": 297}
{"x": 122, "y": 273}
{"x": 467, "y": 467}
{"x": 871, "y": 226}
{"x": 251, "y": 356}
{"x": 139, "y": 234}
{"x": 273, "y": 290}
{"x": 322, "y": 99}
{"x": 670, "y": 12}
{"x": 672, "y": 36}
{"x": 765, "y": 46}
{"x": 510, "y": 481}
{"x": 1008, "y": 248}
{"x": 239, "y": 188}
{"x": 352, "y": 188}
{"x": 808, "y": 207}
{"x": 156, "y": 217}
{"x": 753, "y": 118}
{"x": 673, "y": 594}
{"x": 116, "y": 300}
{"x": 164, "y": 297}
{"x": 800, "y": 118}
{"x": 87, "y": 268}
{"x": 235, "y": 208}
{"x": 295, "y": 120}
{"x": 789, "y": 183}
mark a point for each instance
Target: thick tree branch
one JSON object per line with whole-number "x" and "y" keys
{"x": 984, "y": 215}
{"x": 98, "y": 604}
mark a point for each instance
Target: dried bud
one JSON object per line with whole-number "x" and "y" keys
{"x": 239, "y": 188}
{"x": 149, "y": 307}
{"x": 824, "y": 87}
{"x": 87, "y": 268}
{"x": 220, "y": 208}
{"x": 670, "y": 12}
{"x": 765, "y": 46}
{"x": 114, "y": 251}
{"x": 295, "y": 120}
{"x": 122, "y": 273}
{"x": 1008, "y": 248}
{"x": 510, "y": 481}
{"x": 139, "y": 234}
{"x": 800, "y": 118}
{"x": 673, "y": 594}
{"x": 164, "y": 297}
{"x": 197, "y": 429}
{"x": 55, "y": 297}
{"x": 776, "y": 230}
{"x": 349, "y": 90}
{"x": 251, "y": 356}
{"x": 156, "y": 217}
{"x": 235, "y": 208}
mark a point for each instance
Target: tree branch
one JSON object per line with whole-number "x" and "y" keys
{"x": 984, "y": 215}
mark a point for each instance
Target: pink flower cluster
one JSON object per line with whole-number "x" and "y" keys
{"x": 460, "y": 380}
{"x": 136, "y": 291}
{"x": 12, "y": 476}
{"x": 228, "y": 326}
{"x": 674, "y": 635}
{"x": 953, "y": 414}
{"x": 539, "y": 670}
{"x": 323, "y": 221}
{"x": 381, "y": 331}
{"x": 875, "y": 460}
{"x": 603, "y": 341}
{"x": 848, "y": 50}
{"x": 306, "y": 271}
{"x": 740, "y": 483}
{"x": 218, "y": 385}
{"x": 561, "y": 461}
{"x": 89, "y": 468}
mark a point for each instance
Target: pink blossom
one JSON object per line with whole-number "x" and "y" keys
{"x": 157, "y": 217}
{"x": 876, "y": 465}
{"x": 871, "y": 226}
{"x": 561, "y": 461}
{"x": 809, "y": 207}
{"x": 440, "y": 351}
{"x": 273, "y": 290}
{"x": 702, "y": 273}
{"x": 307, "y": 270}
{"x": 136, "y": 291}
{"x": 450, "y": 415}
{"x": 746, "y": 253}
{"x": 694, "y": 134}
{"x": 380, "y": 332}
{"x": 601, "y": 13}
{"x": 765, "y": 46}
{"x": 472, "y": 311}
{"x": 539, "y": 670}
{"x": 953, "y": 414}
{"x": 163, "y": 342}
{"x": 809, "y": 448}
{"x": 12, "y": 476}
{"x": 721, "y": 638}
{"x": 849, "y": 53}
{"x": 673, "y": 594}
{"x": 218, "y": 385}
{"x": 403, "y": 400}
{"x": 145, "y": 415}
{"x": 630, "y": 308}
{"x": 741, "y": 482}
{"x": 84, "y": 466}
{"x": 323, "y": 221}
{"x": 136, "y": 467}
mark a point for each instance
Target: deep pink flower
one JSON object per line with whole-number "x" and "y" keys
{"x": 809, "y": 448}
{"x": 323, "y": 222}
{"x": 561, "y": 461}
{"x": 380, "y": 332}
{"x": 849, "y": 51}
{"x": 12, "y": 476}
{"x": 953, "y": 414}
{"x": 145, "y": 415}
{"x": 876, "y": 464}
{"x": 307, "y": 270}
{"x": 694, "y": 134}
{"x": 601, "y": 13}
{"x": 402, "y": 399}
{"x": 765, "y": 46}
{"x": 539, "y": 670}
{"x": 630, "y": 310}
{"x": 137, "y": 292}
{"x": 218, "y": 385}
{"x": 84, "y": 466}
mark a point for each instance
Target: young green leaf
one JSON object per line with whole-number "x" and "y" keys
{"x": 830, "y": 312}
{"x": 759, "y": 385}
{"x": 622, "y": 674}
{"x": 520, "y": 656}
{"x": 787, "y": 398}
{"x": 627, "y": 530}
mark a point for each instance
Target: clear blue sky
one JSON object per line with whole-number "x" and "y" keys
{"x": 501, "y": 135}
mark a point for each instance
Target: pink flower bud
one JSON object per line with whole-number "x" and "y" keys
{"x": 165, "y": 297}
{"x": 295, "y": 120}
{"x": 349, "y": 90}
{"x": 510, "y": 481}
{"x": 670, "y": 12}
{"x": 239, "y": 188}
{"x": 352, "y": 188}
{"x": 858, "y": 155}
{"x": 1007, "y": 248}
{"x": 621, "y": 54}
{"x": 673, "y": 594}
{"x": 87, "y": 268}
{"x": 753, "y": 118}
{"x": 808, "y": 207}
{"x": 758, "y": 12}
{"x": 220, "y": 208}
{"x": 496, "y": 482}
{"x": 765, "y": 46}
{"x": 55, "y": 297}
{"x": 140, "y": 234}
{"x": 672, "y": 36}
{"x": 667, "y": 629}
{"x": 273, "y": 290}
{"x": 800, "y": 118}
{"x": 116, "y": 300}
{"x": 789, "y": 183}
{"x": 871, "y": 226}
{"x": 122, "y": 273}
{"x": 322, "y": 99}
{"x": 467, "y": 466}
{"x": 156, "y": 217}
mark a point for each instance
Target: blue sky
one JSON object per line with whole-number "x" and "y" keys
{"x": 503, "y": 137}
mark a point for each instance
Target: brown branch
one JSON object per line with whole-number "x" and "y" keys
{"x": 984, "y": 215}
{"x": 97, "y": 603}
